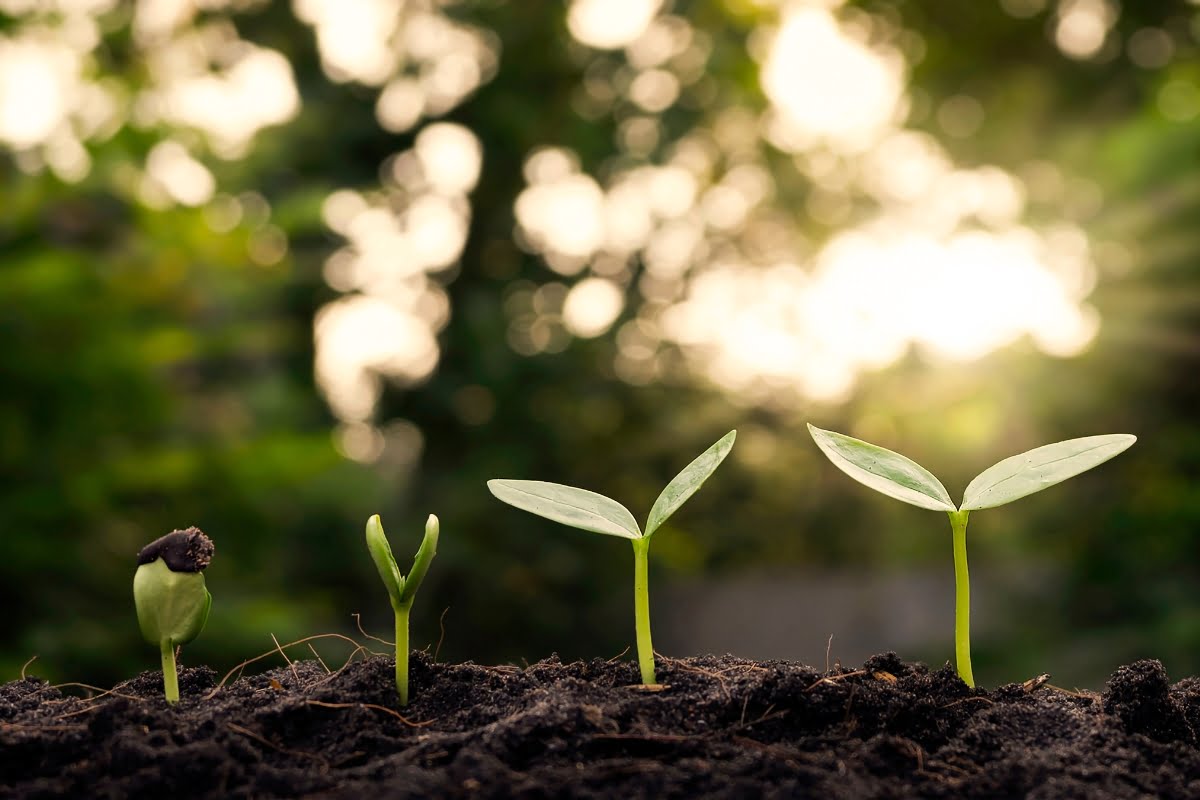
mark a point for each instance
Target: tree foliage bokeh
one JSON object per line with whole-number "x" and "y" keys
{"x": 269, "y": 268}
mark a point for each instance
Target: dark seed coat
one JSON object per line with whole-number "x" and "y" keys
{"x": 188, "y": 550}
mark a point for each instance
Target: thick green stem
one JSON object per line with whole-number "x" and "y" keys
{"x": 170, "y": 677}
{"x": 402, "y": 653}
{"x": 641, "y": 610}
{"x": 962, "y": 598}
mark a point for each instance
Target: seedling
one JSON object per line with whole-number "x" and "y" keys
{"x": 1011, "y": 479}
{"x": 593, "y": 512}
{"x": 401, "y": 590}
{"x": 171, "y": 599}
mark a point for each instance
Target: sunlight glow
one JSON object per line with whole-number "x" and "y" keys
{"x": 256, "y": 90}
{"x": 608, "y": 24}
{"x": 828, "y": 87}
{"x": 937, "y": 259}
{"x": 184, "y": 179}
{"x": 38, "y": 83}
{"x": 592, "y": 306}
{"x": 1082, "y": 27}
{"x": 872, "y": 295}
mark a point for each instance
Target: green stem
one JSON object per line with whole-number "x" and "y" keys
{"x": 170, "y": 678}
{"x": 962, "y": 598}
{"x": 641, "y": 610}
{"x": 402, "y": 653}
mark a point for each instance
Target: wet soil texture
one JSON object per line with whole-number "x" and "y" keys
{"x": 722, "y": 727}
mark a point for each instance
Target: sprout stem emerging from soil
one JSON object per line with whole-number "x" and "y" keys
{"x": 171, "y": 599}
{"x": 401, "y": 590}
{"x": 641, "y": 609}
{"x": 962, "y": 598}
{"x": 1011, "y": 479}
{"x": 593, "y": 512}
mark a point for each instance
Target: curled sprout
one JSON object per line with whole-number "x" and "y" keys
{"x": 171, "y": 599}
{"x": 401, "y": 590}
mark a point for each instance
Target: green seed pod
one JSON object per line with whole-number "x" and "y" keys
{"x": 169, "y": 594}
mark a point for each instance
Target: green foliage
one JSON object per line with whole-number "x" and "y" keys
{"x": 596, "y": 513}
{"x": 172, "y": 607}
{"x": 1013, "y": 478}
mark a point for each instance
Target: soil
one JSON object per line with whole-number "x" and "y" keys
{"x": 721, "y": 727}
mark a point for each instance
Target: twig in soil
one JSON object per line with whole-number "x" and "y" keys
{"x": 969, "y": 700}
{"x": 339, "y": 670}
{"x": 618, "y": 656}
{"x": 442, "y": 634}
{"x": 103, "y": 692}
{"x": 295, "y": 674}
{"x": 318, "y": 657}
{"x": 831, "y": 680}
{"x": 23, "y": 726}
{"x": 717, "y": 676}
{"x": 645, "y": 737}
{"x": 1082, "y": 694}
{"x": 766, "y": 716}
{"x": 25, "y": 666}
{"x": 270, "y": 653}
{"x": 373, "y": 707}
{"x": 358, "y": 622}
{"x": 508, "y": 669}
{"x": 263, "y": 740}
{"x": 1033, "y": 684}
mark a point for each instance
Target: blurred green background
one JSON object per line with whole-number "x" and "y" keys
{"x": 269, "y": 268}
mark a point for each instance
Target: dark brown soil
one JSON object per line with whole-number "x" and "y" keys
{"x": 723, "y": 727}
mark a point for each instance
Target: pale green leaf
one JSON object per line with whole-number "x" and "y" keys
{"x": 884, "y": 471}
{"x": 385, "y": 562}
{"x": 578, "y": 508}
{"x": 685, "y": 484}
{"x": 1044, "y": 466}
{"x": 171, "y": 606}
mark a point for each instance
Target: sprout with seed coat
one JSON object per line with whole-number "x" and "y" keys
{"x": 171, "y": 599}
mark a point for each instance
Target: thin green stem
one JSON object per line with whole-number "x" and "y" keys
{"x": 402, "y": 653}
{"x": 641, "y": 610}
{"x": 170, "y": 677}
{"x": 962, "y": 598}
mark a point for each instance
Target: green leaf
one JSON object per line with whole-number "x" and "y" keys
{"x": 385, "y": 562}
{"x": 171, "y": 606}
{"x": 578, "y": 508}
{"x": 884, "y": 471}
{"x": 685, "y": 484}
{"x": 424, "y": 556}
{"x": 1030, "y": 472}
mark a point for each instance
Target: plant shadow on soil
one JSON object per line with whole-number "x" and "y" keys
{"x": 722, "y": 727}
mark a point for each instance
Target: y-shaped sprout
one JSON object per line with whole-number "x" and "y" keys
{"x": 401, "y": 590}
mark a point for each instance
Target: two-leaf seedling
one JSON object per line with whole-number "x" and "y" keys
{"x": 593, "y": 512}
{"x": 171, "y": 599}
{"x": 401, "y": 590}
{"x": 1011, "y": 479}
